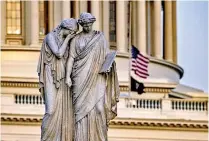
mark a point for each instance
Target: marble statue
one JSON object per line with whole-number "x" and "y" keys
{"x": 80, "y": 99}
{"x": 58, "y": 118}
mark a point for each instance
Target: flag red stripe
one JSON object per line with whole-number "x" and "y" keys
{"x": 139, "y": 60}
{"x": 143, "y": 68}
{"x": 142, "y": 76}
{"x": 144, "y": 73}
{"x": 141, "y": 63}
{"x": 139, "y": 68}
{"x": 142, "y": 59}
{"x": 144, "y": 56}
{"x": 138, "y": 65}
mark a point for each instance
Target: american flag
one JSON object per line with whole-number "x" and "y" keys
{"x": 139, "y": 63}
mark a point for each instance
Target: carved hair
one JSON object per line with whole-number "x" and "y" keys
{"x": 86, "y": 18}
{"x": 70, "y": 24}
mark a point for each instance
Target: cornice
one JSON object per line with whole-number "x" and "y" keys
{"x": 38, "y": 47}
{"x": 19, "y": 84}
{"x": 123, "y": 55}
{"x": 20, "y": 48}
{"x": 160, "y": 124}
{"x": 176, "y": 67}
{"x": 135, "y": 124}
{"x": 157, "y": 90}
{"x": 22, "y": 84}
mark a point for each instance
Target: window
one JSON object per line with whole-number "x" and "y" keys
{"x": 43, "y": 18}
{"x": 112, "y": 19}
{"x": 13, "y": 17}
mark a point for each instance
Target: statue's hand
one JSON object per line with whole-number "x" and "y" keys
{"x": 41, "y": 90}
{"x": 97, "y": 32}
{"x": 107, "y": 71}
{"x": 68, "y": 82}
{"x": 70, "y": 36}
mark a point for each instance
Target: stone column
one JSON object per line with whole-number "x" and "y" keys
{"x": 83, "y": 6}
{"x": 106, "y": 19}
{"x": 141, "y": 26}
{"x": 34, "y": 23}
{"x": 121, "y": 26}
{"x": 57, "y": 13}
{"x": 149, "y": 27}
{"x": 157, "y": 30}
{"x": 66, "y": 10}
{"x": 168, "y": 31}
{"x": 76, "y": 9}
{"x": 95, "y": 11}
{"x": 133, "y": 23}
{"x": 51, "y": 15}
{"x": 3, "y": 22}
{"x": 174, "y": 31}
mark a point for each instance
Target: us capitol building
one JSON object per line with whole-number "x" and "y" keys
{"x": 168, "y": 111}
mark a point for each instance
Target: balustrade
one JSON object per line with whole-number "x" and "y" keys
{"x": 143, "y": 103}
{"x": 191, "y": 105}
{"x": 29, "y": 99}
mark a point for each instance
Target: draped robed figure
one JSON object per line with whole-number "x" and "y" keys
{"x": 57, "y": 124}
{"x": 94, "y": 95}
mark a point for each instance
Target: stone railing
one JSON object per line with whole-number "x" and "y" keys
{"x": 29, "y": 99}
{"x": 22, "y": 104}
{"x": 163, "y": 108}
{"x": 154, "y": 104}
{"x": 127, "y": 107}
{"x": 191, "y": 105}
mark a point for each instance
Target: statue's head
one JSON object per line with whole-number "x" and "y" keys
{"x": 86, "y": 20}
{"x": 69, "y": 26}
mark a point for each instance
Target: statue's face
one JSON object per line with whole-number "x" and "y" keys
{"x": 87, "y": 27}
{"x": 65, "y": 32}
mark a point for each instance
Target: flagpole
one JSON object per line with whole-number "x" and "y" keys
{"x": 129, "y": 45}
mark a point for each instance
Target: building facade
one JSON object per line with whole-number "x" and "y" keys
{"x": 168, "y": 111}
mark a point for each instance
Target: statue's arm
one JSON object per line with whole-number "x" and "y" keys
{"x": 59, "y": 52}
{"x": 70, "y": 62}
{"x": 69, "y": 67}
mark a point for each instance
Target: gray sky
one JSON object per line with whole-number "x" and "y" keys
{"x": 192, "y": 38}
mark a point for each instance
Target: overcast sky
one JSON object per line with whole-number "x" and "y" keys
{"x": 192, "y": 37}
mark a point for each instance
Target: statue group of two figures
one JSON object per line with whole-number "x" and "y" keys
{"x": 80, "y": 99}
